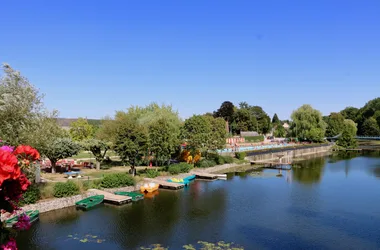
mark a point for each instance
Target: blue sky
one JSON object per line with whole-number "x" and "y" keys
{"x": 91, "y": 58}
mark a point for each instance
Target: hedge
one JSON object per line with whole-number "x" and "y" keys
{"x": 117, "y": 180}
{"x": 65, "y": 189}
{"x": 178, "y": 168}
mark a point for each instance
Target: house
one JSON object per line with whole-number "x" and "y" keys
{"x": 286, "y": 126}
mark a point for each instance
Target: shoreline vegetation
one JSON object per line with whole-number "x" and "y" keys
{"x": 119, "y": 180}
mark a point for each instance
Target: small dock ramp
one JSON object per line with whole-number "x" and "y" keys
{"x": 112, "y": 198}
{"x": 207, "y": 176}
{"x": 165, "y": 184}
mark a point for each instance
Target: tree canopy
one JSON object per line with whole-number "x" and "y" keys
{"x": 226, "y": 111}
{"x": 275, "y": 119}
{"x": 61, "y": 148}
{"x": 20, "y": 107}
{"x": 335, "y": 124}
{"x": 81, "y": 130}
{"x": 308, "y": 124}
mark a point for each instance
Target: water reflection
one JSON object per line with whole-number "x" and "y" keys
{"x": 310, "y": 171}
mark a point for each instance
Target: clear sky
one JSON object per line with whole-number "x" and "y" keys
{"x": 91, "y": 58}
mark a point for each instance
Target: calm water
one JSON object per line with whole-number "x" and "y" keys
{"x": 329, "y": 203}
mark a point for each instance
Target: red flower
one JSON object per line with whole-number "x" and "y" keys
{"x": 24, "y": 182}
{"x": 27, "y": 152}
{"x": 8, "y": 166}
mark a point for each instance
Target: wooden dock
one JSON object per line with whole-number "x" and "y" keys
{"x": 112, "y": 198}
{"x": 165, "y": 184}
{"x": 206, "y": 176}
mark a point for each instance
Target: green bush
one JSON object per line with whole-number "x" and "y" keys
{"x": 65, "y": 189}
{"x": 240, "y": 155}
{"x": 31, "y": 196}
{"x": 204, "y": 163}
{"x": 152, "y": 173}
{"x": 117, "y": 180}
{"x": 228, "y": 159}
{"x": 178, "y": 168}
{"x": 219, "y": 160}
{"x": 258, "y": 138}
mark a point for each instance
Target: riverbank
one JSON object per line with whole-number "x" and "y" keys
{"x": 299, "y": 153}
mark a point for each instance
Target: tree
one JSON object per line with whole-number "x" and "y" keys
{"x": 217, "y": 138}
{"x": 308, "y": 124}
{"x": 131, "y": 143}
{"x": 275, "y": 119}
{"x": 370, "y": 127}
{"x": 263, "y": 120}
{"x": 335, "y": 124}
{"x": 196, "y": 132}
{"x": 98, "y": 148}
{"x": 350, "y": 113}
{"x": 163, "y": 140}
{"x": 80, "y": 130}
{"x": 244, "y": 120}
{"x": 350, "y": 126}
{"x": 226, "y": 111}
{"x": 279, "y": 131}
{"x": 60, "y": 148}
{"x": 347, "y": 138}
{"x": 20, "y": 105}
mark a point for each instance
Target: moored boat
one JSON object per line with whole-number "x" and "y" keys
{"x": 190, "y": 177}
{"x": 151, "y": 187}
{"x": 135, "y": 196}
{"x": 90, "y": 202}
{"x": 32, "y": 214}
{"x": 180, "y": 181}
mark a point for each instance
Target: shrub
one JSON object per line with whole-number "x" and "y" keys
{"x": 152, "y": 173}
{"x": 219, "y": 159}
{"x": 31, "y": 196}
{"x": 228, "y": 159}
{"x": 240, "y": 155}
{"x": 65, "y": 189}
{"x": 182, "y": 167}
{"x": 117, "y": 180}
{"x": 204, "y": 163}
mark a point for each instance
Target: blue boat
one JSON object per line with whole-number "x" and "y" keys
{"x": 190, "y": 178}
{"x": 184, "y": 181}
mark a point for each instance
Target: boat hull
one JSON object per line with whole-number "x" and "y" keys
{"x": 90, "y": 202}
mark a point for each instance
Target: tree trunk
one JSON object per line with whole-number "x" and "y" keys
{"x": 97, "y": 165}
{"x": 53, "y": 166}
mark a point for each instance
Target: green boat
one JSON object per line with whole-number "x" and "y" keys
{"x": 90, "y": 202}
{"x": 135, "y": 196}
{"x": 32, "y": 214}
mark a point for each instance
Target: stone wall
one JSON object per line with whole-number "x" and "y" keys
{"x": 57, "y": 203}
{"x": 289, "y": 154}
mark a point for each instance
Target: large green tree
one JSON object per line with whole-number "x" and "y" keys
{"x": 370, "y": 127}
{"x": 81, "y": 130}
{"x": 218, "y": 134}
{"x": 226, "y": 111}
{"x": 335, "y": 124}
{"x": 131, "y": 143}
{"x": 279, "y": 131}
{"x": 308, "y": 124}
{"x": 244, "y": 120}
{"x": 263, "y": 120}
{"x": 60, "y": 148}
{"x": 196, "y": 132}
{"x": 163, "y": 140}
{"x": 347, "y": 138}
{"x": 20, "y": 107}
{"x": 350, "y": 113}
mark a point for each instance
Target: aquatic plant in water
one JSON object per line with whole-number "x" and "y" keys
{"x": 86, "y": 238}
{"x": 203, "y": 245}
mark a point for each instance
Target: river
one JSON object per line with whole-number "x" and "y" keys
{"x": 329, "y": 202}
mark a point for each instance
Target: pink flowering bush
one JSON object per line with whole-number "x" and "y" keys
{"x": 13, "y": 183}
